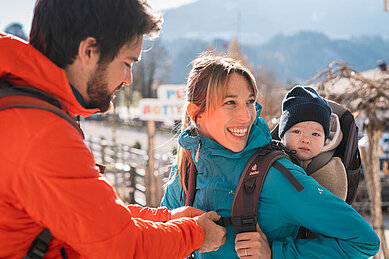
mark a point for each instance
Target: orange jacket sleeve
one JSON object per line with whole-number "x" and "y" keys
{"x": 59, "y": 187}
{"x": 154, "y": 214}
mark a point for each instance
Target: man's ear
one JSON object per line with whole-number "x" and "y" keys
{"x": 192, "y": 110}
{"x": 88, "y": 52}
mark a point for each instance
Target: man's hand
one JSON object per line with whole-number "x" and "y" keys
{"x": 215, "y": 235}
{"x": 252, "y": 245}
{"x": 185, "y": 211}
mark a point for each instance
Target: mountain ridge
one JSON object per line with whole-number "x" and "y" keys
{"x": 258, "y": 21}
{"x": 296, "y": 57}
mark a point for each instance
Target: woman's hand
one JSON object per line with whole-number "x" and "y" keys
{"x": 252, "y": 245}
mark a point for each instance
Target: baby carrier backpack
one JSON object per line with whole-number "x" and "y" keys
{"x": 347, "y": 150}
{"x": 244, "y": 209}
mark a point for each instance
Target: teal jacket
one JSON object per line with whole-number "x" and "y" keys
{"x": 281, "y": 210}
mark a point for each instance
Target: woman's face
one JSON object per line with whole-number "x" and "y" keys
{"x": 230, "y": 123}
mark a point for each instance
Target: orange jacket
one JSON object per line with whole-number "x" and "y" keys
{"x": 49, "y": 179}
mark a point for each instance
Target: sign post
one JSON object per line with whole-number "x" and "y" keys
{"x": 151, "y": 199}
{"x": 168, "y": 106}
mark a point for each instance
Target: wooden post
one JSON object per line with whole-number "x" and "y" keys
{"x": 386, "y": 6}
{"x": 132, "y": 186}
{"x": 374, "y": 184}
{"x": 103, "y": 144}
{"x": 150, "y": 182}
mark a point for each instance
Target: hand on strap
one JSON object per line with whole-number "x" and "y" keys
{"x": 252, "y": 245}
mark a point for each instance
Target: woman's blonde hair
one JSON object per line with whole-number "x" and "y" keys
{"x": 207, "y": 87}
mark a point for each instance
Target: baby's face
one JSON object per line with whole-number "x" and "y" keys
{"x": 306, "y": 138}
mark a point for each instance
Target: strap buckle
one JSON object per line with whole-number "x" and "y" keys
{"x": 40, "y": 246}
{"x": 244, "y": 223}
{"x": 244, "y": 220}
{"x": 38, "y": 249}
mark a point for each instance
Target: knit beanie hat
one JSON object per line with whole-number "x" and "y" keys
{"x": 303, "y": 103}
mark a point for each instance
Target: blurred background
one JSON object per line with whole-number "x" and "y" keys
{"x": 284, "y": 43}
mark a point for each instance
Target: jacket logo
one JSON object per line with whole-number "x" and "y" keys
{"x": 254, "y": 172}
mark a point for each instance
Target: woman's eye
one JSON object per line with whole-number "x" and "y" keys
{"x": 251, "y": 101}
{"x": 229, "y": 102}
{"x": 127, "y": 65}
{"x": 296, "y": 131}
{"x": 316, "y": 134}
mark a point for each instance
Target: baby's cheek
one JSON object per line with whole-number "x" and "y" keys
{"x": 289, "y": 144}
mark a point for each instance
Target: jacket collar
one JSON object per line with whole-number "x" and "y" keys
{"x": 22, "y": 64}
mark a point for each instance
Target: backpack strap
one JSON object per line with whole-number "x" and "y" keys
{"x": 245, "y": 204}
{"x": 319, "y": 161}
{"x": 293, "y": 180}
{"x": 31, "y": 98}
{"x": 40, "y": 246}
{"x": 305, "y": 233}
{"x": 191, "y": 184}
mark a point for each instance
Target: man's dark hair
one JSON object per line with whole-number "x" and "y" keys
{"x": 59, "y": 26}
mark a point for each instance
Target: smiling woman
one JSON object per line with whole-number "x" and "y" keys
{"x": 217, "y": 131}
{"x": 221, "y": 130}
{"x": 230, "y": 121}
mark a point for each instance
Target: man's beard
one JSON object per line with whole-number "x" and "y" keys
{"x": 97, "y": 89}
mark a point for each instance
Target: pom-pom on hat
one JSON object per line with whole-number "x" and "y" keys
{"x": 303, "y": 103}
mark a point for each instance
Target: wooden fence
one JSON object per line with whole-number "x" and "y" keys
{"x": 126, "y": 170}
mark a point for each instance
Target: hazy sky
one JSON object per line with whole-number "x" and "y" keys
{"x": 21, "y": 10}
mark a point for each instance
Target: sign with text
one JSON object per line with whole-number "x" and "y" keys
{"x": 168, "y": 105}
{"x": 171, "y": 92}
{"x": 158, "y": 110}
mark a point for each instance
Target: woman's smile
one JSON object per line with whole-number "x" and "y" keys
{"x": 238, "y": 132}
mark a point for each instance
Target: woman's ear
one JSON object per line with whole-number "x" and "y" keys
{"x": 192, "y": 110}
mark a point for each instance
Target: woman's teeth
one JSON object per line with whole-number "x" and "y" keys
{"x": 238, "y": 132}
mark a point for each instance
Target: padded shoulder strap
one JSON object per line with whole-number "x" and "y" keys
{"x": 189, "y": 198}
{"x": 319, "y": 161}
{"x": 245, "y": 204}
{"x": 30, "y": 98}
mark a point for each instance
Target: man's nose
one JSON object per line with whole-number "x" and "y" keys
{"x": 127, "y": 77}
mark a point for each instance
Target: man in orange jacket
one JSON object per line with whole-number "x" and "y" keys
{"x": 80, "y": 52}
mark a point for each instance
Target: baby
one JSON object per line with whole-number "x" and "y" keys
{"x": 307, "y": 127}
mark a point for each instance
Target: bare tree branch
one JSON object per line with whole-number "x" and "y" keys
{"x": 368, "y": 93}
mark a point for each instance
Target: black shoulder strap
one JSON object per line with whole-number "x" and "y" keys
{"x": 319, "y": 161}
{"x": 245, "y": 204}
{"x": 40, "y": 246}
